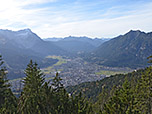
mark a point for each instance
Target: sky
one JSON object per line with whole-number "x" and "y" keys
{"x": 91, "y": 18}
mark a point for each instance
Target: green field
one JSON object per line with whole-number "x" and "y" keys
{"x": 50, "y": 69}
{"x": 108, "y": 72}
{"x": 60, "y": 62}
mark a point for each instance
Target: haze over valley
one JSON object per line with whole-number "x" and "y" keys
{"x": 77, "y": 59}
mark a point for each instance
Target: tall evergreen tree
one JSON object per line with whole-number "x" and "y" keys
{"x": 102, "y": 99}
{"x": 144, "y": 92}
{"x": 3, "y": 82}
{"x": 47, "y": 98}
{"x": 128, "y": 98}
{"x": 61, "y": 97}
{"x": 30, "y": 101}
{"x": 122, "y": 102}
{"x": 8, "y": 102}
{"x": 56, "y": 83}
{"x": 114, "y": 105}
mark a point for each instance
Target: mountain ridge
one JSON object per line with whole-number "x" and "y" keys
{"x": 130, "y": 49}
{"x": 19, "y": 47}
{"x": 80, "y": 44}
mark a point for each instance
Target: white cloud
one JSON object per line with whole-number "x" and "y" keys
{"x": 107, "y": 27}
{"x": 35, "y": 1}
{"x": 49, "y": 22}
{"x": 14, "y": 3}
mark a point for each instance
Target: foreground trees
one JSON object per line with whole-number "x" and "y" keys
{"x": 122, "y": 102}
{"x": 31, "y": 96}
{"x": 8, "y": 101}
{"x": 144, "y": 92}
{"x": 44, "y": 97}
{"x": 132, "y": 97}
{"x": 40, "y": 97}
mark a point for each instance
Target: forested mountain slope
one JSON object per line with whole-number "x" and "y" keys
{"x": 129, "y": 50}
{"x": 93, "y": 89}
{"x": 118, "y": 94}
{"x": 19, "y": 47}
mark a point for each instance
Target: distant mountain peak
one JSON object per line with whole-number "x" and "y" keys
{"x": 24, "y": 38}
{"x": 76, "y": 37}
{"x": 25, "y": 30}
{"x": 128, "y": 50}
{"x": 135, "y": 31}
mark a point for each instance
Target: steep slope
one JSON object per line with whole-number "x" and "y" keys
{"x": 23, "y": 38}
{"x": 14, "y": 50}
{"x": 26, "y": 39}
{"x": 18, "y": 47}
{"x": 129, "y": 50}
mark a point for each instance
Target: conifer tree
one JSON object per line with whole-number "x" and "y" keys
{"x": 56, "y": 83}
{"x": 30, "y": 101}
{"x": 128, "y": 98}
{"x": 3, "y": 82}
{"x": 114, "y": 105}
{"x": 122, "y": 102}
{"x": 144, "y": 90}
{"x": 61, "y": 97}
{"x": 8, "y": 102}
{"x": 80, "y": 105}
{"x": 47, "y": 98}
{"x": 102, "y": 99}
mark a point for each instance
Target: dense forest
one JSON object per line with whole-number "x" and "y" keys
{"x": 93, "y": 89}
{"x": 128, "y": 50}
{"x": 119, "y": 94}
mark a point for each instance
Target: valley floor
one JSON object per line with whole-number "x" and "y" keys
{"x": 74, "y": 71}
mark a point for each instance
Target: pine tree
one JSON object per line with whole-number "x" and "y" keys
{"x": 8, "y": 101}
{"x": 3, "y": 82}
{"x": 56, "y": 83}
{"x": 144, "y": 90}
{"x": 128, "y": 98}
{"x": 61, "y": 97}
{"x": 102, "y": 99}
{"x": 114, "y": 105}
{"x": 30, "y": 101}
{"x": 80, "y": 105}
{"x": 122, "y": 102}
{"x": 48, "y": 98}
{"x": 10, "y": 104}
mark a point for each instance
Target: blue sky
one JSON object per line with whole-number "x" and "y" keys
{"x": 92, "y": 18}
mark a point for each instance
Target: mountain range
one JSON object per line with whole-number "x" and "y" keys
{"x": 18, "y": 47}
{"x": 128, "y": 50}
{"x": 77, "y": 44}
